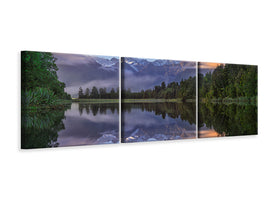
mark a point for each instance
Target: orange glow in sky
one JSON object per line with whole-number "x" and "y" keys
{"x": 208, "y": 65}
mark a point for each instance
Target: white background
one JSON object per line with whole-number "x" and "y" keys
{"x": 218, "y": 31}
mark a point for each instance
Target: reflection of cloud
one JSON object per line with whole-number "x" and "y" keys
{"x": 136, "y": 118}
{"x": 208, "y": 133}
{"x": 208, "y": 65}
{"x": 65, "y": 140}
{"x": 107, "y": 83}
{"x": 74, "y": 141}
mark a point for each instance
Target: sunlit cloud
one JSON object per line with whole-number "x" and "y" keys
{"x": 208, "y": 65}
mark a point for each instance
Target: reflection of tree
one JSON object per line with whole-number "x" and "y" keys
{"x": 39, "y": 129}
{"x": 186, "y": 111}
{"x": 231, "y": 120}
{"x": 98, "y": 108}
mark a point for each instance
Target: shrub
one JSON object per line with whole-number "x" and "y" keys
{"x": 38, "y": 96}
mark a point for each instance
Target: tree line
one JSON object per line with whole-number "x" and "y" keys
{"x": 186, "y": 89}
{"x": 100, "y": 93}
{"x": 229, "y": 81}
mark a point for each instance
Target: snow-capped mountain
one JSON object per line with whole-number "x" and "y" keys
{"x": 106, "y": 64}
{"x": 136, "y": 64}
{"x": 149, "y": 74}
{"x": 139, "y": 65}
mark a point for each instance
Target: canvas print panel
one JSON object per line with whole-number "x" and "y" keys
{"x": 69, "y": 99}
{"x": 227, "y": 95}
{"x": 158, "y": 100}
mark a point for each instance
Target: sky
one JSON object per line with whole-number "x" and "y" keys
{"x": 208, "y": 65}
{"x": 86, "y": 71}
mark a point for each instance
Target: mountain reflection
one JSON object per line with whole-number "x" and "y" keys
{"x": 75, "y": 124}
{"x": 158, "y": 121}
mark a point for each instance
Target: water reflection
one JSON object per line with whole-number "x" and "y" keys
{"x": 75, "y": 124}
{"x": 218, "y": 120}
{"x": 158, "y": 121}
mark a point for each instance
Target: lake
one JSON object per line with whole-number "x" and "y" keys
{"x": 143, "y": 122}
{"x": 219, "y": 120}
{"x": 75, "y": 124}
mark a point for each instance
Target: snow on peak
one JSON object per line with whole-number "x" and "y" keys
{"x": 108, "y": 64}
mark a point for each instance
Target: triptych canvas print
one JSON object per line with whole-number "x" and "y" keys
{"x": 72, "y": 100}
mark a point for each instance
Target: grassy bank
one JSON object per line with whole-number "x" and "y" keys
{"x": 155, "y": 100}
{"x": 58, "y": 105}
{"x": 96, "y": 100}
{"x": 61, "y": 104}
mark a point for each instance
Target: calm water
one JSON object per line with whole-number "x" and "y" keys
{"x": 158, "y": 121}
{"x": 218, "y": 120}
{"x": 76, "y": 124}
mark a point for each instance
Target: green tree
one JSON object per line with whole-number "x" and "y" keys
{"x": 87, "y": 93}
{"x": 80, "y": 93}
{"x": 112, "y": 94}
{"x": 39, "y": 73}
{"x": 94, "y": 93}
{"x": 102, "y": 93}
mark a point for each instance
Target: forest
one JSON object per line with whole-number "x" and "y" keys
{"x": 94, "y": 93}
{"x": 186, "y": 89}
{"x": 39, "y": 80}
{"x": 229, "y": 81}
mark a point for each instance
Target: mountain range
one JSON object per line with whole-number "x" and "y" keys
{"x": 140, "y": 74}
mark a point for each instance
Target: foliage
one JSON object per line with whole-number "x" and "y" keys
{"x": 185, "y": 90}
{"x": 39, "y": 78}
{"x": 40, "y": 129}
{"x": 38, "y": 96}
{"x": 98, "y": 94}
{"x": 229, "y": 120}
{"x": 185, "y": 111}
{"x": 96, "y": 108}
{"x": 229, "y": 81}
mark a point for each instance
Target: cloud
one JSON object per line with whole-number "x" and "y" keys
{"x": 72, "y": 59}
{"x": 136, "y": 83}
{"x": 107, "y": 83}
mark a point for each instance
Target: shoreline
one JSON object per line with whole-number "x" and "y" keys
{"x": 227, "y": 100}
{"x": 61, "y": 104}
{"x": 95, "y": 100}
{"x": 157, "y": 101}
